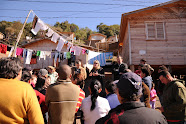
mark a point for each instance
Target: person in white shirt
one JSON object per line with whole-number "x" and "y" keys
{"x": 94, "y": 106}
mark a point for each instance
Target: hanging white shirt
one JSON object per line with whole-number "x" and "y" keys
{"x": 39, "y": 25}
{"x": 50, "y": 32}
{"x": 55, "y": 37}
{"x": 29, "y": 56}
{"x": 60, "y": 44}
{"x": 77, "y": 50}
{"x": 42, "y": 55}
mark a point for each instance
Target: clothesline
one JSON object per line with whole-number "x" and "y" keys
{"x": 28, "y": 53}
{"x": 38, "y": 25}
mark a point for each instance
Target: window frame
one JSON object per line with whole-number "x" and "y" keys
{"x": 155, "y": 30}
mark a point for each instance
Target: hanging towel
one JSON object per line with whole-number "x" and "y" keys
{"x": 57, "y": 55}
{"x": 42, "y": 55}
{"x": 83, "y": 50}
{"x": 3, "y": 48}
{"x": 29, "y": 56}
{"x": 38, "y": 53}
{"x": 24, "y": 53}
{"x": 50, "y": 32}
{"x": 55, "y": 37}
{"x": 60, "y": 44}
{"x": 68, "y": 55}
{"x": 65, "y": 55}
{"x": 19, "y": 51}
{"x": 39, "y": 25}
{"x": 69, "y": 45}
{"x": 11, "y": 51}
{"x": 77, "y": 50}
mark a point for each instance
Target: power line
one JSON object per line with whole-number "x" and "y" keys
{"x": 65, "y": 2}
{"x": 94, "y": 11}
{"x": 59, "y": 11}
{"x": 61, "y": 17}
{"x": 138, "y": 1}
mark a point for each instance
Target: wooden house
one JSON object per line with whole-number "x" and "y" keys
{"x": 97, "y": 40}
{"x": 48, "y": 45}
{"x": 157, "y": 34}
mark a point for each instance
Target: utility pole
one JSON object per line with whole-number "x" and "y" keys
{"x": 20, "y": 33}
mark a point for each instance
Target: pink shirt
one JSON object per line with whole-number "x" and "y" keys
{"x": 152, "y": 94}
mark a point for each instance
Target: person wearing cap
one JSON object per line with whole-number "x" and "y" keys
{"x": 131, "y": 110}
{"x": 41, "y": 80}
{"x": 174, "y": 99}
{"x": 118, "y": 68}
{"x": 52, "y": 74}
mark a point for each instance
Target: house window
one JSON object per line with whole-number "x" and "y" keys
{"x": 155, "y": 30}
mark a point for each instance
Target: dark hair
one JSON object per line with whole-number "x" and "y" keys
{"x": 26, "y": 76}
{"x": 110, "y": 86}
{"x": 10, "y": 67}
{"x": 129, "y": 96}
{"x": 95, "y": 85}
{"x": 146, "y": 71}
{"x": 80, "y": 80}
{"x": 164, "y": 73}
{"x": 153, "y": 85}
{"x": 77, "y": 61}
{"x": 142, "y": 60}
{"x": 163, "y": 68}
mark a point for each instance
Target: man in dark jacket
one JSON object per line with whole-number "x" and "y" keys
{"x": 119, "y": 68}
{"x": 174, "y": 99}
{"x": 131, "y": 110}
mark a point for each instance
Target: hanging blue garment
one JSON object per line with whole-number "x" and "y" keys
{"x": 109, "y": 55}
{"x": 92, "y": 56}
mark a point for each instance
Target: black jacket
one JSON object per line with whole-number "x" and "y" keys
{"x": 132, "y": 113}
{"x": 118, "y": 69}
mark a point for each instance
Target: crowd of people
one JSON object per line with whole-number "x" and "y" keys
{"x": 61, "y": 96}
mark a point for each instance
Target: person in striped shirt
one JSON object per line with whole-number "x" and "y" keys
{"x": 78, "y": 79}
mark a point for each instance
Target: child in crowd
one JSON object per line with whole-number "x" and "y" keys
{"x": 33, "y": 81}
{"x": 153, "y": 96}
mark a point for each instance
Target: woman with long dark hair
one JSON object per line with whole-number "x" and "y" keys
{"x": 94, "y": 106}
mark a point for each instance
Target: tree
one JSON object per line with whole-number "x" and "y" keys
{"x": 108, "y": 30}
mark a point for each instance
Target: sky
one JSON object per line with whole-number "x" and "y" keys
{"x": 84, "y": 13}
